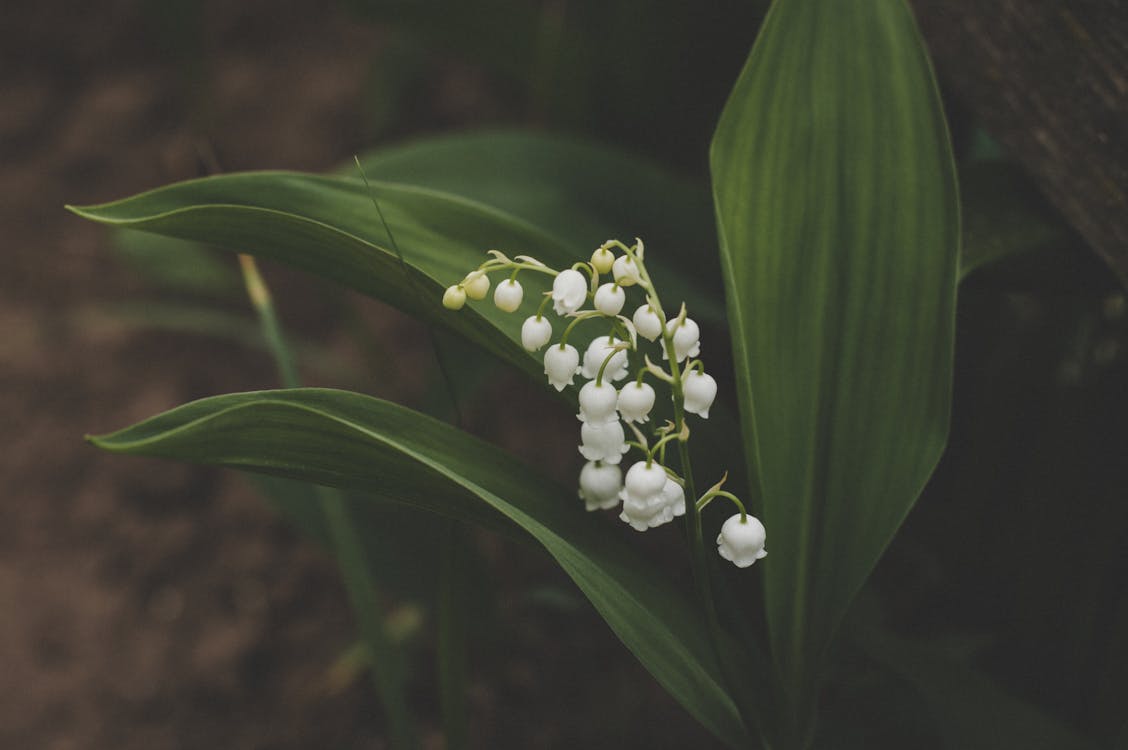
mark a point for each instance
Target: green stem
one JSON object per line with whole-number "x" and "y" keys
{"x": 452, "y": 640}
{"x": 387, "y": 671}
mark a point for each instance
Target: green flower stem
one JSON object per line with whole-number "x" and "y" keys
{"x": 576, "y": 321}
{"x": 453, "y": 648}
{"x": 387, "y": 670}
{"x": 543, "y": 304}
{"x": 708, "y": 497}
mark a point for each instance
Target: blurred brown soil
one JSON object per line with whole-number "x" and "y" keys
{"x": 152, "y": 605}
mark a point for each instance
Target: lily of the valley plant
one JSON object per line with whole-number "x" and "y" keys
{"x": 652, "y": 493}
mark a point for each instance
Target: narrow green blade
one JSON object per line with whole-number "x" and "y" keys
{"x": 837, "y": 210}
{"x": 348, "y": 440}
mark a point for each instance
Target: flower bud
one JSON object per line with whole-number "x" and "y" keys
{"x": 597, "y": 403}
{"x": 535, "y": 332}
{"x": 508, "y": 295}
{"x": 635, "y": 402}
{"x": 647, "y": 323}
{"x": 742, "y": 542}
{"x": 561, "y": 362}
{"x": 569, "y": 291}
{"x": 476, "y": 284}
{"x": 687, "y": 337}
{"x": 625, "y": 271}
{"x": 699, "y": 389}
{"x": 454, "y": 297}
{"x": 598, "y": 350}
{"x": 600, "y": 484}
{"x": 610, "y": 298}
{"x": 602, "y": 259}
{"x": 603, "y": 442}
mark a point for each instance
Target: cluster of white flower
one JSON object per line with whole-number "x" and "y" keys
{"x": 651, "y": 493}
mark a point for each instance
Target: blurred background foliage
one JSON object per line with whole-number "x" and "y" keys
{"x": 1011, "y": 567}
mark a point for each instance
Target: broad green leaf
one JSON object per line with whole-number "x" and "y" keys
{"x": 837, "y": 210}
{"x": 347, "y": 440}
{"x": 579, "y": 192}
{"x": 328, "y": 226}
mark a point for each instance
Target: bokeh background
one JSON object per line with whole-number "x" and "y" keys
{"x": 152, "y": 605}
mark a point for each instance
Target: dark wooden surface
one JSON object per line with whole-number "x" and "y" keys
{"x": 1048, "y": 79}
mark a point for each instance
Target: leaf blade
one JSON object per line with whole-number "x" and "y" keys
{"x": 348, "y": 440}
{"x": 836, "y": 206}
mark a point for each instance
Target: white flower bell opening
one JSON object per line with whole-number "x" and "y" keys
{"x": 600, "y": 484}
{"x": 741, "y": 541}
{"x": 569, "y": 291}
{"x": 647, "y": 323}
{"x": 597, "y": 351}
{"x": 674, "y": 496}
{"x": 603, "y": 442}
{"x": 561, "y": 363}
{"x": 598, "y": 403}
{"x": 700, "y": 391}
{"x": 610, "y": 298}
{"x": 508, "y": 295}
{"x": 535, "y": 332}
{"x": 644, "y": 503}
{"x": 635, "y": 402}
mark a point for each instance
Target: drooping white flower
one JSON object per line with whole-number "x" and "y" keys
{"x": 602, "y": 259}
{"x": 647, "y": 323}
{"x": 625, "y": 271}
{"x": 644, "y": 505}
{"x": 600, "y": 484}
{"x": 635, "y": 401}
{"x": 597, "y": 351}
{"x": 603, "y": 442}
{"x": 687, "y": 338}
{"x": 674, "y": 495}
{"x": 561, "y": 363}
{"x": 700, "y": 389}
{"x": 569, "y": 291}
{"x": 535, "y": 332}
{"x": 476, "y": 284}
{"x": 454, "y": 297}
{"x": 742, "y": 542}
{"x": 610, "y": 298}
{"x": 508, "y": 295}
{"x": 597, "y": 403}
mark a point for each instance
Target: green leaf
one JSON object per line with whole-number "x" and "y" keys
{"x": 837, "y": 209}
{"x": 348, "y": 440}
{"x": 327, "y": 226}
{"x": 579, "y": 192}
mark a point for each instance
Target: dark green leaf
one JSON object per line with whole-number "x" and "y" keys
{"x": 837, "y": 208}
{"x": 347, "y": 440}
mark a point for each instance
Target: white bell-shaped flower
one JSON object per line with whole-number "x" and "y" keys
{"x": 561, "y": 363}
{"x": 603, "y": 442}
{"x": 687, "y": 338}
{"x": 454, "y": 297}
{"x": 508, "y": 295}
{"x": 700, "y": 389}
{"x": 597, "y": 403}
{"x": 476, "y": 284}
{"x": 600, "y": 484}
{"x": 536, "y": 331}
{"x": 569, "y": 291}
{"x": 598, "y": 350}
{"x": 647, "y": 323}
{"x": 674, "y": 496}
{"x": 625, "y": 271}
{"x": 644, "y": 504}
{"x": 635, "y": 402}
{"x": 602, "y": 259}
{"x": 742, "y": 541}
{"x": 610, "y": 298}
